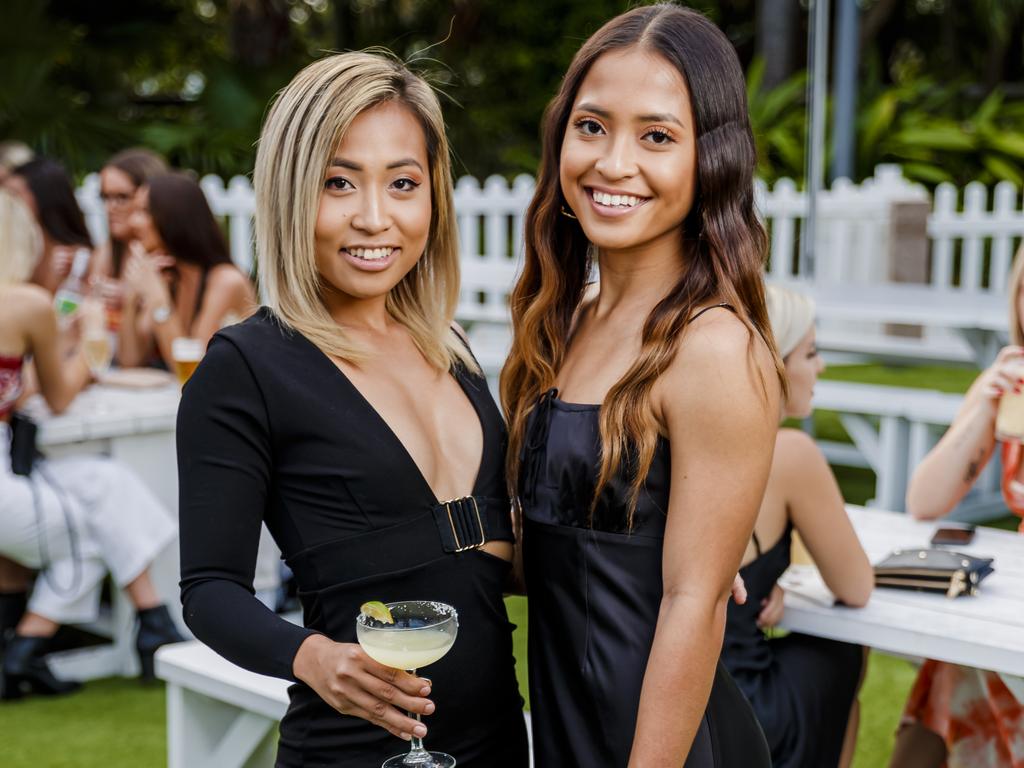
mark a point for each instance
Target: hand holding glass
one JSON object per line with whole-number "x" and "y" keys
{"x": 423, "y": 632}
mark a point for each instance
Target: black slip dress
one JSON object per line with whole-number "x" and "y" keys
{"x": 801, "y": 687}
{"x": 594, "y": 594}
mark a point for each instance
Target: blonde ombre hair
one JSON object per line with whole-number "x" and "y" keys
{"x": 21, "y": 242}
{"x": 1016, "y": 277}
{"x": 302, "y": 131}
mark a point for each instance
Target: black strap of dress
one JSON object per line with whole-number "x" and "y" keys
{"x": 725, "y": 304}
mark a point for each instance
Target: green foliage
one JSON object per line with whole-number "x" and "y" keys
{"x": 777, "y": 117}
{"x": 938, "y": 135}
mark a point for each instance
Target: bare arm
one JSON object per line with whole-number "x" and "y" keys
{"x": 951, "y": 468}
{"x": 721, "y": 425}
{"x": 60, "y": 377}
{"x": 816, "y": 507}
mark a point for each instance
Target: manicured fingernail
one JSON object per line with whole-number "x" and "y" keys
{"x": 429, "y": 709}
{"x": 406, "y": 736}
{"x": 425, "y": 690}
{"x": 420, "y": 730}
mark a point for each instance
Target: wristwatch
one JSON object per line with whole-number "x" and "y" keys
{"x": 161, "y": 314}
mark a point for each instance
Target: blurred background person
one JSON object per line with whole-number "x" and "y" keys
{"x": 120, "y": 179}
{"x": 15, "y": 579}
{"x": 13, "y": 154}
{"x": 803, "y": 688}
{"x": 179, "y": 280}
{"x": 961, "y": 716}
{"x": 73, "y": 519}
{"x": 45, "y": 187}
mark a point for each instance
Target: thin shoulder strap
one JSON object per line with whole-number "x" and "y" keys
{"x": 728, "y": 306}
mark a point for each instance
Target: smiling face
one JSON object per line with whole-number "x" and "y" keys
{"x": 375, "y": 208}
{"x": 118, "y": 193}
{"x": 803, "y": 367}
{"x": 629, "y": 155}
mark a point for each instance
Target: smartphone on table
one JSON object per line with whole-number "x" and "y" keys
{"x": 953, "y": 534}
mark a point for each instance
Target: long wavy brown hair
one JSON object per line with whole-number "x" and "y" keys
{"x": 726, "y": 244}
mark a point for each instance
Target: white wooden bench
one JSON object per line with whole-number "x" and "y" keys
{"x": 218, "y": 714}
{"x": 892, "y": 429}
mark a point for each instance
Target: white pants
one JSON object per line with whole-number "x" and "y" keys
{"x": 116, "y": 526}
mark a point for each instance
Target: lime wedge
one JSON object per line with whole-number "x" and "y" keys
{"x": 375, "y": 609}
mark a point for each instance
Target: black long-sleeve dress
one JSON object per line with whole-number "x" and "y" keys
{"x": 269, "y": 429}
{"x": 595, "y": 591}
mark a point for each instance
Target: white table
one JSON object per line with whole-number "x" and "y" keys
{"x": 985, "y": 631}
{"x": 135, "y": 427}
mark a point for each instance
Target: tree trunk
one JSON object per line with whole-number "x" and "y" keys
{"x": 778, "y": 39}
{"x": 260, "y": 31}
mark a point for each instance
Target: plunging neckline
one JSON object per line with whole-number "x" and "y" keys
{"x": 393, "y": 436}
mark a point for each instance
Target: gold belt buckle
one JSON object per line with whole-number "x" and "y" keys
{"x": 459, "y": 546}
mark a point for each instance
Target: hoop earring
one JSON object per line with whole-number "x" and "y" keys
{"x": 567, "y": 213}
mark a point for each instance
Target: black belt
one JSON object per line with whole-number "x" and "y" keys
{"x": 450, "y": 528}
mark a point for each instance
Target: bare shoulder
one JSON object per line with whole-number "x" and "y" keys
{"x": 722, "y": 370}
{"x": 28, "y": 299}
{"x": 795, "y": 450}
{"x": 719, "y": 345}
{"x": 227, "y": 276}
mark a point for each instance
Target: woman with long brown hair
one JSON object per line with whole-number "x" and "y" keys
{"x": 120, "y": 179}
{"x": 179, "y": 279}
{"x": 643, "y": 412}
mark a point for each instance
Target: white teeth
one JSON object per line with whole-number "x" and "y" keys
{"x": 371, "y": 254}
{"x": 621, "y": 201}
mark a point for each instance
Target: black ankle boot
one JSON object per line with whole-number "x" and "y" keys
{"x": 12, "y": 608}
{"x": 156, "y": 628}
{"x": 25, "y": 670}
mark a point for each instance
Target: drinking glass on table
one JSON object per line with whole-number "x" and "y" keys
{"x": 422, "y": 633}
{"x": 98, "y": 348}
{"x": 187, "y": 353}
{"x": 97, "y": 340}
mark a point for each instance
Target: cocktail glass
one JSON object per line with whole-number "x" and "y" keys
{"x": 423, "y": 632}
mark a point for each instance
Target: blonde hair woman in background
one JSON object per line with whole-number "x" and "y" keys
{"x": 803, "y": 688}
{"x": 75, "y": 518}
{"x": 341, "y": 415}
{"x": 960, "y": 716}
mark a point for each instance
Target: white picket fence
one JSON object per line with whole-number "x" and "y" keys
{"x": 971, "y": 242}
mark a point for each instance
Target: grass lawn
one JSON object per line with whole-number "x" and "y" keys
{"x": 118, "y": 723}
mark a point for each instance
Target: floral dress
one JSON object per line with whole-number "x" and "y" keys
{"x": 979, "y": 714}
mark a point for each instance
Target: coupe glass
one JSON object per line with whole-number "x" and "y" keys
{"x": 423, "y": 632}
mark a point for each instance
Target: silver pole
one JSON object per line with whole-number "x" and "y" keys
{"x": 817, "y": 86}
{"x": 844, "y": 72}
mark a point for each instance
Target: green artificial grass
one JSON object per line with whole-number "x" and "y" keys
{"x": 118, "y": 723}
{"x": 112, "y": 723}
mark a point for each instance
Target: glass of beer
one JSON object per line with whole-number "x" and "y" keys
{"x": 1010, "y": 417}
{"x": 187, "y": 353}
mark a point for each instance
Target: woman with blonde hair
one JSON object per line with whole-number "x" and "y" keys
{"x": 955, "y": 715}
{"x": 75, "y": 519}
{"x": 643, "y": 410}
{"x": 342, "y": 415}
{"x": 803, "y": 688}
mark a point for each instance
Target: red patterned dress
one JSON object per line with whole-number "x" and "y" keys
{"x": 979, "y": 714}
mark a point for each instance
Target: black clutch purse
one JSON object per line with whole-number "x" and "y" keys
{"x": 24, "y": 453}
{"x": 933, "y": 570}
